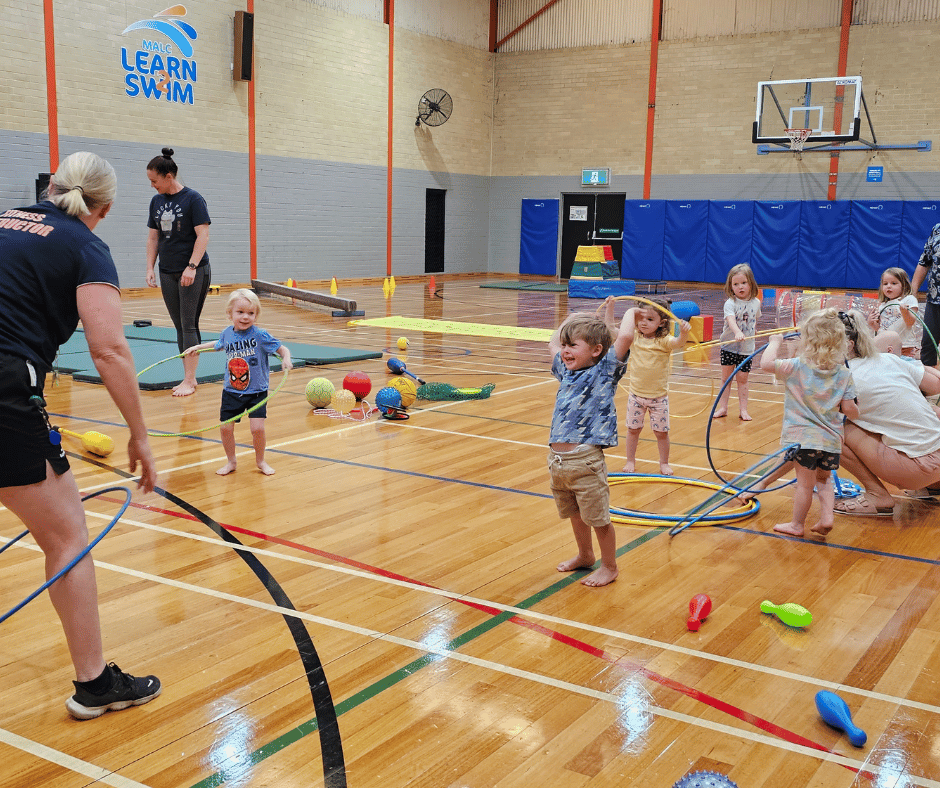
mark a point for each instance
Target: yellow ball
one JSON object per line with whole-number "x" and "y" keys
{"x": 343, "y": 401}
{"x": 406, "y": 387}
{"x": 319, "y": 392}
{"x": 403, "y": 343}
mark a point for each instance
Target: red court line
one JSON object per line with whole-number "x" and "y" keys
{"x": 703, "y": 697}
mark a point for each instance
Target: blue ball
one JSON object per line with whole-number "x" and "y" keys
{"x": 388, "y": 399}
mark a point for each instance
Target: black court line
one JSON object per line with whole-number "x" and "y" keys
{"x": 331, "y": 744}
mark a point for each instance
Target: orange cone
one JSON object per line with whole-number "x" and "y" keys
{"x": 431, "y": 286}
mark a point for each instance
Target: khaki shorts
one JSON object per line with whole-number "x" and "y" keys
{"x": 891, "y": 465}
{"x": 579, "y": 484}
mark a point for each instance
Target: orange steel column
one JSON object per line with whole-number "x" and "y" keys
{"x": 252, "y": 168}
{"x": 52, "y": 105}
{"x": 391, "y": 106}
{"x": 651, "y": 103}
{"x": 840, "y": 95}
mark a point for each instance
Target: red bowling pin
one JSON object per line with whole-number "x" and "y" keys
{"x": 699, "y": 608}
{"x": 836, "y": 713}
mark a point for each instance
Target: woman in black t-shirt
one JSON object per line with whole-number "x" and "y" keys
{"x": 53, "y": 272}
{"x": 178, "y": 225}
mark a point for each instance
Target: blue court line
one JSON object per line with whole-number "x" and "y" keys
{"x": 497, "y": 488}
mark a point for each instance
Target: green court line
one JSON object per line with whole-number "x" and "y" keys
{"x": 306, "y": 728}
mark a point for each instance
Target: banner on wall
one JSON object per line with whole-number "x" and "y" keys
{"x": 163, "y": 66}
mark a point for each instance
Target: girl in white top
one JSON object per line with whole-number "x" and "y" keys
{"x": 899, "y": 314}
{"x": 740, "y": 324}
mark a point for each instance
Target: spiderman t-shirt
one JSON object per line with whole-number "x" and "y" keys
{"x": 247, "y": 370}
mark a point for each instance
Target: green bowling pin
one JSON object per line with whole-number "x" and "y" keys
{"x": 789, "y": 613}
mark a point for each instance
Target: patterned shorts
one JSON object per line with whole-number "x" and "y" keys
{"x": 729, "y": 359}
{"x": 658, "y": 408}
{"x": 814, "y": 459}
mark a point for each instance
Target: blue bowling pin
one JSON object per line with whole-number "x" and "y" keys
{"x": 836, "y": 713}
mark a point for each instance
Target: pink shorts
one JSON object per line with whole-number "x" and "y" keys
{"x": 891, "y": 465}
{"x": 658, "y": 408}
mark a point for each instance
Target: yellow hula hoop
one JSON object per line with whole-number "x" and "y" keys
{"x": 199, "y": 431}
{"x": 698, "y": 344}
{"x": 728, "y": 515}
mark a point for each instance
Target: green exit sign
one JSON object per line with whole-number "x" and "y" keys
{"x": 596, "y": 177}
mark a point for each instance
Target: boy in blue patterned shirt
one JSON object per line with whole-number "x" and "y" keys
{"x": 588, "y": 362}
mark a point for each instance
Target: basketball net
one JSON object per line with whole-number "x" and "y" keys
{"x": 798, "y": 138}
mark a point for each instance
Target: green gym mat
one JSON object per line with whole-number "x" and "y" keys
{"x": 151, "y": 344}
{"x": 550, "y": 287}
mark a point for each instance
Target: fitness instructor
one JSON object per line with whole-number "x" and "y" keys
{"x": 53, "y": 272}
{"x": 178, "y": 225}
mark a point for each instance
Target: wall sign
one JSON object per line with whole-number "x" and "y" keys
{"x": 163, "y": 66}
{"x": 596, "y": 177}
{"x": 875, "y": 174}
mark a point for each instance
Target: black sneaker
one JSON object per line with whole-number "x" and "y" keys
{"x": 126, "y": 691}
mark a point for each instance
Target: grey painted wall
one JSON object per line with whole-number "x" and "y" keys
{"x": 316, "y": 219}
{"x": 319, "y": 219}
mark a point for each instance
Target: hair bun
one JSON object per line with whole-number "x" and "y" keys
{"x": 168, "y": 152}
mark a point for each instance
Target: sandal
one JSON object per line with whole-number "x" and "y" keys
{"x": 861, "y": 507}
{"x": 923, "y": 494}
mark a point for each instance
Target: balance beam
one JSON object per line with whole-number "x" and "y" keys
{"x": 344, "y": 307}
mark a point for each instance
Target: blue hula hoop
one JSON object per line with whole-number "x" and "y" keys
{"x": 708, "y": 432}
{"x": 79, "y": 557}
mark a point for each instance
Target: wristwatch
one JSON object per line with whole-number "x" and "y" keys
{"x": 191, "y": 265}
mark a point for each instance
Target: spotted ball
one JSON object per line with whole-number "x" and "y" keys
{"x": 388, "y": 399}
{"x": 407, "y": 388}
{"x": 343, "y": 401}
{"x": 319, "y": 392}
{"x": 358, "y": 383}
{"x": 402, "y": 343}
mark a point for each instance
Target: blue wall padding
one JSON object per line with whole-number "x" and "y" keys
{"x": 776, "y": 242}
{"x": 824, "y": 235}
{"x": 643, "y": 231}
{"x": 728, "y": 242}
{"x": 917, "y": 220}
{"x": 684, "y": 309}
{"x": 684, "y": 240}
{"x": 538, "y": 238}
{"x": 874, "y": 241}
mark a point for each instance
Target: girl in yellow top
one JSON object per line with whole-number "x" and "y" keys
{"x": 647, "y": 331}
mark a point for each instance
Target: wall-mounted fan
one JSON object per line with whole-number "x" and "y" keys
{"x": 434, "y": 108}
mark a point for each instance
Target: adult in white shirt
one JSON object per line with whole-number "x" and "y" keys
{"x": 896, "y": 437}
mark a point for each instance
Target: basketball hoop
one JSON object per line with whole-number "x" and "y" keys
{"x": 798, "y": 138}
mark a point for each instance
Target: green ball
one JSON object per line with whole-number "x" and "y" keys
{"x": 319, "y": 392}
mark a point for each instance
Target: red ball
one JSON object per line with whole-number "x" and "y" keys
{"x": 358, "y": 383}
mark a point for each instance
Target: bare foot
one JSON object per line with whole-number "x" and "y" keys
{"x": 790, "y": 529}
{"x": 666, "y": 469}
{"x": 226, "y": 469}
{"x": 578, "y": 562}
{"x": 600, "y": 577}
{"x": 821, "y": 529}
{"x": 184, "y": 389}
{"x": 745, "y": 416}
{"x": 719, "y": 414}
{"x": 266, "y": 469}
{"x": 629, "y": 467}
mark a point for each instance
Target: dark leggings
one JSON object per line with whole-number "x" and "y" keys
{"x": 185, "y": 304}
{"x": 928, "y": 351}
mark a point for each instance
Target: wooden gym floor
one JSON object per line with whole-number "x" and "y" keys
{"x": 385, "y": 610}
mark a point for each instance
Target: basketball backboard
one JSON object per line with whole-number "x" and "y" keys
{"x": 828, "y": 106}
